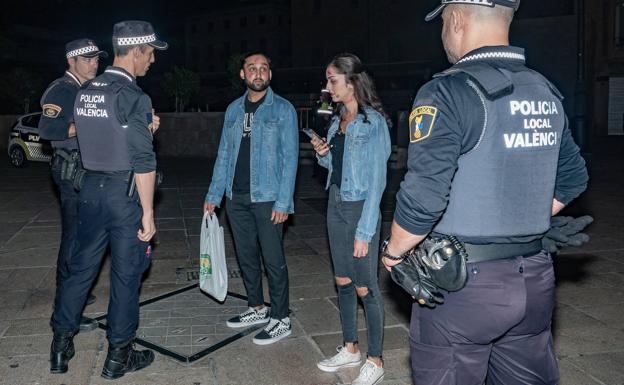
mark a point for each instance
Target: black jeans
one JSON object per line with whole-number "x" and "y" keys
{"x": 251, "y": 225}
{"x": 342, "y": 220}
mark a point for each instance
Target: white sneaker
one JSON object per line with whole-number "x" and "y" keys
{"x": 250, "y": 317}
{"x": 273, "y": 332}
{"x": 370, "y": 374}
{"x": 343, "y": 359}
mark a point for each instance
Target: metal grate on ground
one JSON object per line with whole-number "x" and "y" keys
{"x": 187, "y": 324}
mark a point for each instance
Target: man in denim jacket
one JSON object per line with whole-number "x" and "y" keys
{"x": 256, "y": 168}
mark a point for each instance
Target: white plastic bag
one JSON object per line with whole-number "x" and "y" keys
{"x": 213, "y": 277}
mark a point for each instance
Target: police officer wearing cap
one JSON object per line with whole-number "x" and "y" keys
{"x": 491, "y": 159}
{"x": 114, "y": 124}
{"x": 57, "y": 125}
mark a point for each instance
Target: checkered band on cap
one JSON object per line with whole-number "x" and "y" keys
{"x": 136, "y": 40}
{"x": 488, "y": 3}
{"x": 82, "y": 51}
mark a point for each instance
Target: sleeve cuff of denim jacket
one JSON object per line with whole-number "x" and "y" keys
{"x": 211, "y": 199}
{"x": 282, "y": 208}
{"x": 322, "y": 160}
{"x": 361, "y": 236}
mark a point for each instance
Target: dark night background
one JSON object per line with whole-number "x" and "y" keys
{"x": 301, "y": 36}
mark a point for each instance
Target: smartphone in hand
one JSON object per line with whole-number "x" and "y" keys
{"x": 309, "y": 132}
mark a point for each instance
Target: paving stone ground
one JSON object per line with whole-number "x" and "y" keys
{"x": 588, "y": 327}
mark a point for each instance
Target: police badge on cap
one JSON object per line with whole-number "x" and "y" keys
{"x": 487, "y": 3}
{"x": 83, "y": 47}
{"x": 136, "y": 32}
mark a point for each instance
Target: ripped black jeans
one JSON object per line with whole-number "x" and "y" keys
{"x": 342, "y": 220}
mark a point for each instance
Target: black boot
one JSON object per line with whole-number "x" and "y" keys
{"x": 61, "y": 351}
{"x": 122, "y": 359}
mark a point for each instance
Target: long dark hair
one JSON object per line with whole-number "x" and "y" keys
{"x": 364, "y": 91}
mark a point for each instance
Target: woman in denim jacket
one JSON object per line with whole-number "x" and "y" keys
{"x": 356, "y": 154}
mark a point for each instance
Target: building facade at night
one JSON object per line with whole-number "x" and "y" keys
{"x": 604, "y": 78}
{"x": 213, "y": 36}
{"x": 400, "y": 50}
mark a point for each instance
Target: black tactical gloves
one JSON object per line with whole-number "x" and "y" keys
{"x": 410, "y": 276}
{"x": 566, "y": 231}
{"x": 436, "y": 264}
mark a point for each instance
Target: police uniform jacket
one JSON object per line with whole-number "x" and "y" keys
{"x": 113, "y": 123}
{"x": 57, "y": 105}
{"x": 489, "y": 149}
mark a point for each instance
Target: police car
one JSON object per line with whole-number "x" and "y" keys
{"x": 25, "y": 144}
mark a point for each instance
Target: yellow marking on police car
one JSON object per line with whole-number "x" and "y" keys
{"x": 421, "y": 122}
{"x": 51, "y": 110}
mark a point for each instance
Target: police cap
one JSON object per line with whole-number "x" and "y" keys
{"x": 488, "y": 3}
{"x": 136, "y": 32}
{"x": 83, "y": 47}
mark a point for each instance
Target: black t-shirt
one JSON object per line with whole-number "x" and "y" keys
{"x": 337, "y": 152}
{"x": 240, "y": 184}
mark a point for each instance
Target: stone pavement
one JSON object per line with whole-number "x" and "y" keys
{"x": 588, "y": 328}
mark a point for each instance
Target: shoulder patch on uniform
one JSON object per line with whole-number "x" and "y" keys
{"x": 421, "y": 121}
{"x": 51, "y": 110}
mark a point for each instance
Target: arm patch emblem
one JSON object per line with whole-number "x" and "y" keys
{"x": 421, "y": 121}
{"x": 51, "y": 110}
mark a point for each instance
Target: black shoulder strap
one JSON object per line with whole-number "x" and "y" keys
{"x": 552, "y": 87}
{"x": 493, "y": 82}
{"x": 113, "y": 87}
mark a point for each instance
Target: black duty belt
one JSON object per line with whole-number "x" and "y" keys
{"x": 490, "y": 252}
{"x": 113, "y": 174}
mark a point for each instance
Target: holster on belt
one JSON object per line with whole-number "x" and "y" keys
{"x": 436, "y": 264}
{"x": 132, "y": 182}
{"x": 79, "y": 178}
{"x": 443, "y": 260}
{"x": 70, "y": 164}
{"x": 131, "y": 185}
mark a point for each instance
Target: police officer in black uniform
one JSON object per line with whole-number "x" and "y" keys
{"x": 491, "y": 159}
{"x": 114, "y": 123}
{"x": 57, "y": 125}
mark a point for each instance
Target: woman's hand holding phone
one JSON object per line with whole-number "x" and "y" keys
{"x": 320, "y": 145}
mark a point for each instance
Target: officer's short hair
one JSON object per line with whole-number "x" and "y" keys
{"x": 123, "y": 50}
{"x": 254, "y": 53}
{"x": 503, "y": 13}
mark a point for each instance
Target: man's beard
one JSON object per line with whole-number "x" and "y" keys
{"x": 258, "y": 87}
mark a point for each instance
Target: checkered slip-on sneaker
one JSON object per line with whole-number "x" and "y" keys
{"x": 250, "y": 317}
{"x": 273, "y": 332}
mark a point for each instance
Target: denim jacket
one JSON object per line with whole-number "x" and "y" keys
{"x": 364, "y": 166}
{"x": 274, "y": 153}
